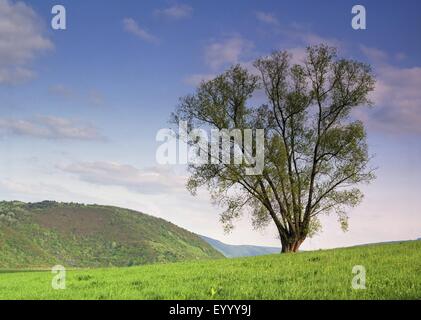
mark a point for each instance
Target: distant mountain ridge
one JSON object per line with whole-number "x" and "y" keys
{"x": 235, "y": 251}
{"x": 39, "y": 235}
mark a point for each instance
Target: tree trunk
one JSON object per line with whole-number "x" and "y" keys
{"x": 291, "y": 245}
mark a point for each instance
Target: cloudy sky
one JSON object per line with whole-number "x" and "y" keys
{"x": 80, "y": 108}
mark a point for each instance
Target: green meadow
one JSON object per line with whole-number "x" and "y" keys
{"x": 393, "y": 271}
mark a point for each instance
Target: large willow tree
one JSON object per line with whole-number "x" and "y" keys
{"x": 315, "y": 153}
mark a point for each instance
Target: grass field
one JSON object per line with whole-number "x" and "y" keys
{"x": 393, "y": 272}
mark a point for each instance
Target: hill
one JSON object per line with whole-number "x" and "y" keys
{"x": 37, "y": 235}
{"x": 236, "y": 251}
{"x": 393, "y": 272}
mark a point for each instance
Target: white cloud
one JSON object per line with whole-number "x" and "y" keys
{"x": 195, "y": 79}
{"x": 15, "y": 75}
{"x": 228, "y": 51}
{"x": 310, "y": 39}
{"x": 397, "y": 96}
{"x": 92, "y": 97}
{"x": 96, "y": 97}
{"x": 398, "y": 100}
{"x": 220, "y": 54}
{"x": 400, "y": 56}
{"x": 155, "y": 180}
{"x": 61, "y": 90}
{"x": 297, "y": 35}
{"x": 40, "y": 188}
{"x": 299, "y": 55}
{"x": 374, "y": 54}
{"x": 49, "y": 127}
{"x": 131, "y": 26}
{"x": 177, "y": 11}
{"x": 22, "y": 38}
{"x": 267, "y": 18}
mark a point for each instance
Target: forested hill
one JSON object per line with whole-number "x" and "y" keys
{"x": 39, "y": 235}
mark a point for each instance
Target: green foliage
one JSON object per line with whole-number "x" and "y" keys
{"x": 76, "y": 235}
{"x": 316, "y": 154}
{"x": 393, "y": 272}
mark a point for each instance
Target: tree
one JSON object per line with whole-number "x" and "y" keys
{"x": 316, "y": 154}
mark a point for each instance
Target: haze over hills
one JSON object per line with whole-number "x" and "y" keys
{"x": 235, "y": 251}
{"x": 37, "y": 235}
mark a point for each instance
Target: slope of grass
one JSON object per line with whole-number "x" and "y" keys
{"x": 48, "y": 233}
{"x": 393, "y": 272}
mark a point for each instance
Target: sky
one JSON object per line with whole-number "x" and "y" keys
{"x": 80, "y": 108}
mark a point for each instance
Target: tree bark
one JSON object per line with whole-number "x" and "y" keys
{"x": 291, "y": 245}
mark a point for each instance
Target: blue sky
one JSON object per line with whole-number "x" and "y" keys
{"x": 81, "y": 107}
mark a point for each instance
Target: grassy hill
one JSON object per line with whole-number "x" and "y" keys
{"x": 393, "y": 272}
{"x": 44, "y": 234}
{"x": 236, "y": 251}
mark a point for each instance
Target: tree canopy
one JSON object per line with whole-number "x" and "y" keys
{"x": 315, "y": 152}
